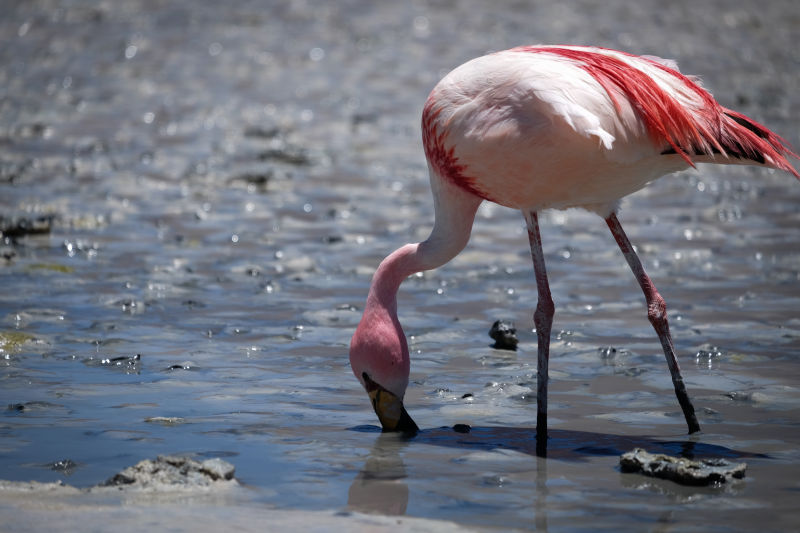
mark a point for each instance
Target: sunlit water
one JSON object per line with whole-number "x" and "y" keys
{"x": 222, "y": 181}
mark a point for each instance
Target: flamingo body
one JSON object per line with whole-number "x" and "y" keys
{"x": 559, "y": 127}
{"x": 543, "y": 127}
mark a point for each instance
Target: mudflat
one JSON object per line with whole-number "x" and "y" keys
{"x": 194, "y": 196}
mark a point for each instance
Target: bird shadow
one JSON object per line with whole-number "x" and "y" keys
{"x": 565, "y": 444}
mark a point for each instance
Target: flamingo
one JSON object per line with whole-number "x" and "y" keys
{"x": 549, "y": 127}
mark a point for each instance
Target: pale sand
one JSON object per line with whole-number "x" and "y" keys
{"x": 226, "y": 507}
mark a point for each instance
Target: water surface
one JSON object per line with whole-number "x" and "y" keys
{"x": 221, "y": 181}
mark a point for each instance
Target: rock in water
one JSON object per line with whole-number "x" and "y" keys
{"x": 14, "y": 228}
{"x": 504, "y": 335}
{"x": 173, "y": 471}
{"x": 680, "y": 470}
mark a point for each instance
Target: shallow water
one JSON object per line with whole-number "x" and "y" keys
{"x": 223, "y": 179}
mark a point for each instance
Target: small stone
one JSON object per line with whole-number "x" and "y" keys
{"x": 504, "y": 335}
{"x": 64, "y": 465}
{"x": 165, "y": 420}
{"x": 495, "y": 480}
{"x": 462, "y": 428}
{"x": 607, "y": 352}
{"x": 14, "y": 228}
{"x": 130, "y": 364}
{"x": 747, "y": 396}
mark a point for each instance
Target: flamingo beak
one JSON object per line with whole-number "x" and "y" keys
{"x": 389, "y": 408}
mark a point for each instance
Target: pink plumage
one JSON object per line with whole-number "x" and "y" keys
{"x": 638, "y": 109}
{"x": 541, "y": 127}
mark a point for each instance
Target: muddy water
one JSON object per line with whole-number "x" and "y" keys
{"x": 220, "y": 181}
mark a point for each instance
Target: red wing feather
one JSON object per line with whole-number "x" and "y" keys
{"x": 705, "y": 129}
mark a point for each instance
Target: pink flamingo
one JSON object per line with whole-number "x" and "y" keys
{"x": 549, "y": 127}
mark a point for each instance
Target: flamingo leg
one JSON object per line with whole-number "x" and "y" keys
{"x": 543, "y": 320}
{"x": 657, "y": 314}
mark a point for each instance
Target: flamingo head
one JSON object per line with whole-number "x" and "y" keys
{"x": 379, "y": 359}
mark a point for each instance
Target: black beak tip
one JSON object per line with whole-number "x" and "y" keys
{"x": 381, "y": 398}
{"x": 406, "y": 424}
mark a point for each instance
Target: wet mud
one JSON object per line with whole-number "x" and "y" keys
{"x": 194, "y": 196}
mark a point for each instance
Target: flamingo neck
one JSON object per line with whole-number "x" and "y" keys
{"x": 455, "y": 211}
{"x": 379, "y": 347}
{"x": 386, "y": 281}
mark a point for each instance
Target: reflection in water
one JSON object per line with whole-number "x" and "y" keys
{"x": 219, "y": 201}
{"x": 676, "y": 492}
{"x": 540, "y": 503}
{"x": 379, "y": 486}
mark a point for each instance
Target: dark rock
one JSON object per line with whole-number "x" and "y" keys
{"x": 680, "y": 470}
{"x": 747, "y": 396}
{"x": 462, "y": 428}
{"x": 130, "y": 364}
{"x": 65, "y": 466}
{"x": 257, "y": 181}
{"x": 607, "y": 352}
{"x": 15, "y": 228}
{"x": 504, "y": 335}
{"x": 33, "y": 130}
{"x": 288, "y": 155}
{"x": 261, "y": 132}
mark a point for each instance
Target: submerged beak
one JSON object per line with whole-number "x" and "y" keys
{"x": 389, "y": 408}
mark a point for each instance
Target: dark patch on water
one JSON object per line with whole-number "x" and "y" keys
{"x": 572, "y": 445}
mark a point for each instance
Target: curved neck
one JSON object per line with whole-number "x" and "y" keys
{"x": 379, "y": 347}
{"x": 455, "y": 212}
{"x": 395, "y": 268}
